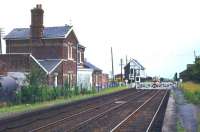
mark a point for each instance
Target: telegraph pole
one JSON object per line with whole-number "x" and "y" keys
{"x": 1, "y": 32}
{"x": 113, "y": 76}
{"x": 126, "y": 60}
{"x": 121, "y": 64}
{"x": 195, "y": 54}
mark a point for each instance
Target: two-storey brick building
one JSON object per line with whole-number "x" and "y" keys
{"x": 52, "y": 49}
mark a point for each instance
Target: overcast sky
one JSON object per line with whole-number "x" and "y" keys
{"x": 161, "y": 35}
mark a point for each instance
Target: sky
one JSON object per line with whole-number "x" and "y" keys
{"x": 161, "y": 34}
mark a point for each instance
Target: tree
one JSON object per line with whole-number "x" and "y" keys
{"x": 195, "y": 70}
{"x": 175, "y": 77}
{"x": 31, "y": 92}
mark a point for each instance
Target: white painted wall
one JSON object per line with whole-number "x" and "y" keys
{"x": 85, "y": 78}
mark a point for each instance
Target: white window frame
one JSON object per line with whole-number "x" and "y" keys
{"x": 80, "y": 57}
{"x": 70, "y": 52}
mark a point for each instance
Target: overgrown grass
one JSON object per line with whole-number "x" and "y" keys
{"x": 8, "y": 110}
{"x": 191, "y": 92}
{"x": 179, "y": 127}
{"x": 198, "y": 121}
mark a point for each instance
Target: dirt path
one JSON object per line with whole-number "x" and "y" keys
{"x": 186, "y": 112}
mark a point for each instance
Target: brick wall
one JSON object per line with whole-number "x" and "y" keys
{"x": 16, "y": 62}
{"x": 3, "y": 68}
{"x": 97, "y": 79}
{"x": 105, "y": 80}
{"x": 48, "y": 49}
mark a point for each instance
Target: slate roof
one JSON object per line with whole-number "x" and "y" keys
{"x": 142, "y": 67}
{"x": 91, "y": 66}
{"x": 139, "y": 64}
{"x": 49, "y": 65}
{"x": 81, "y": 46}
{"x": 48, "y": 32}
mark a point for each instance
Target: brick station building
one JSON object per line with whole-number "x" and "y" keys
{"x": 52, "y": 49}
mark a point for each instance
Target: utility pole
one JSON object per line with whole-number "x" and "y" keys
{"x": 1, "y": 32}
{"x": 113, "y": 76}
{"x": 126, "y": 60}
{"x": 195, "y": 54}
{"x": 121, "y": 64}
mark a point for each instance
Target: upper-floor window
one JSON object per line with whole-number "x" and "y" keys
{"x": 80, "y": 57}
{"x": 70, "y": 52}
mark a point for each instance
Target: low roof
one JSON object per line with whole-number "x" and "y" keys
{"x": 139, "y": 64}
{"x": 47, "y": 65}
{"x": 81, "y": 46}
{"x": 142, "y": 67}
{"x": 50, "y": 65}
{"x": 91, "y": 66}
{"x": 48, "y": 32}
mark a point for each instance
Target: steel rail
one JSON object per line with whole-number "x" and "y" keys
{"x": 133, "y": 113}
{"x": 82, "y": 112}
{"x": 103, "y": 113}
{"x": 155, "y": 115}
{"x": 86, "y": 121}
{"x": 44, "y": 118}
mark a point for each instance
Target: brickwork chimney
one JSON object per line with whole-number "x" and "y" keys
{"x": 36, "y": 28}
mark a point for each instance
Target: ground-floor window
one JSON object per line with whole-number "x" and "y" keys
{"x": 69, "y": 79}
{"x": 137, "y": 79}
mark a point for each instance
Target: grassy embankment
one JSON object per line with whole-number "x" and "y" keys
{"x": 192, "y": 94}
{"x": 8, "y": 110}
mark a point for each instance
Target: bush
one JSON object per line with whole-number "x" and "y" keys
{"x": 76, "y": 90}
{"x": 67, "y": 90}
{"x": 193, "y": 97}
{"x": 35, "y": 91}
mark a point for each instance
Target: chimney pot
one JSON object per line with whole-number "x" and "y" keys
{"x": 37, "y": 22}
{"x": 39, "y": 6}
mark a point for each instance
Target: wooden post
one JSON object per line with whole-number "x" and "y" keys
{"x": 113, "y": 76}
{"x": 121, "y": 64}
{"x": 1, "y": 32}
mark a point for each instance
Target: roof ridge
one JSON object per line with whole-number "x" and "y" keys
{"x": 48, "y": 32}
{"x": 45, "y": 27}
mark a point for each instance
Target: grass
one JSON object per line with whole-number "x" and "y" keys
{"x": 198, "y": 121}
{"x": 191, "y": 87}
{"x": 191, "y": 91}
{"x": 179, "y": 127}
{"x": 192, "y": 94}
{"x": 9, "y": 110}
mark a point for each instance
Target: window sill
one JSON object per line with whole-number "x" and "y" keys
{"x": 70, "y": 59}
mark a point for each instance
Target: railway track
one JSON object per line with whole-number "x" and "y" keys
{"x": 69, "y": 123}
{"x": 77, "y": 109}
{"x": 126, "y": 111}
{"x": 109, "y": 119}
{"x": 143, "y": 117}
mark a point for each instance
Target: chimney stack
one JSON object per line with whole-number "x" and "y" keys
{"x": 36, "y": 28}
